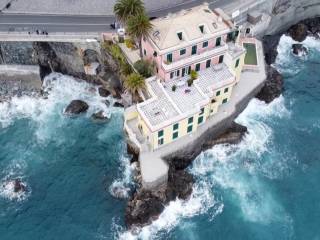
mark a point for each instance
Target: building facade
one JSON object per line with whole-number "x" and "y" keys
{"x": 197, "y": 39}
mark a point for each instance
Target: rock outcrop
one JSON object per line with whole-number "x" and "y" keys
{"x": 146, "y": 205}
{"x": 100, "y": 117}
{"x": 103, "y": 92}
{"x": 273, "y": 86}
{"x": 298, "y": 32}
{"x": 299, "y": 49}
{"x": 76, "y": 107}
{"x": 18, "y": 186}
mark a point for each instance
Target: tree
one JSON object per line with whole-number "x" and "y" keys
{"x": 139, "y": 26}
{"x": 123, "y": 9}
{"x": 133, "y": 83}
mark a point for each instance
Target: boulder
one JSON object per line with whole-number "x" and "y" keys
{"x": 179, "y": 185}
{"x": 143, "y": 208}
{"x": 103, "y": 92}
{"x": 18, "y": 186}
{"x": 117, "y": 104}
{"x": 273, "y": 86}
{"x": 76, "y": 107}
{"x": 100, "y": 116}
{"x": 298, "y": 32}
{"x": 299, "y": 49}
{"x": 107, "y": 103}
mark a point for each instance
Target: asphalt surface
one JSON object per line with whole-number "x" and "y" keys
{"x": 78, "y": 23}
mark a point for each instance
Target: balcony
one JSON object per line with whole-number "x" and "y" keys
{"x": 195, "y": 58}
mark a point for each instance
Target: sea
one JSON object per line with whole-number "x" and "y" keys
{"x": 266, "y": 187}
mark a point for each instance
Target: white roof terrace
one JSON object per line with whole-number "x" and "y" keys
{"x": 167, "y": 106}
{"x": 214, "y": 78}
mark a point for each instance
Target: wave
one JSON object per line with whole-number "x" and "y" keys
{"x": 286, "y": 62}
{"x": 47, "y": 112}
{"x": 234, "y": 169}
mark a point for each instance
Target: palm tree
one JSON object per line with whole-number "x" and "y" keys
{"x": 123, "y": 9}
{"x": 134, "y": 83}
{"x": 139, "y": 26}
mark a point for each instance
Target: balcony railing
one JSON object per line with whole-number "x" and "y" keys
{"x": 194, "y": 58}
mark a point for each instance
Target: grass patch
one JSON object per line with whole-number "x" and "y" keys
{"x": 251, "y": 55}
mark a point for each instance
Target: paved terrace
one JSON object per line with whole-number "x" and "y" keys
{"x": 154, "y": 169}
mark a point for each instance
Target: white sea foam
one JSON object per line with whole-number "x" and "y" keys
{"x": 62, "y": 89}
{"x": 232, "y": 168}
{"x": 284, "y": 62}
{"x": 14, "y": 171}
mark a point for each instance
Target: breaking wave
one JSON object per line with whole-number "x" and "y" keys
{"x": 232, "y": 168}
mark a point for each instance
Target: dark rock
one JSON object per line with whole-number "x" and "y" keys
{"x": 107, "y": 103}
{"x": 103, "y": 92}
{"x": 298, "y": 32}
{"x": 183, "y": 159}
{"x": 144, "y": 207}
{"x": 273, "y": 86}
{"x": 76, "y": 107}
{"x": 232, "y": 135}
{"x": 90, "y": 56}
{"x": 119, "y": 192}
{"x": 270, "y": 43}
{"x": 19, "y": 186}
{"x": 134, "y": 152}
{"x": 299, "y": 49}
{"x": 117, "y": 104}
{"x": 179, "y": 185}
{"x": 99, "y": 116}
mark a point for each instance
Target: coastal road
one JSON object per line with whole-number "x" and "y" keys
{"x": 80, "y": 23}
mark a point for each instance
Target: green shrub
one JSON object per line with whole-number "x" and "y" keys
{"x": 144, "y": 68}
{"x": 126, "y": 68}
{"x": 193, "y": 74}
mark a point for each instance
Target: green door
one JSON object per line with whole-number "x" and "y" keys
{"x": 218, "y": 41}
{"x": 194, "y": 50}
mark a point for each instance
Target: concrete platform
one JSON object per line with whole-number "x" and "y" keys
{"x": 154, "y": 168}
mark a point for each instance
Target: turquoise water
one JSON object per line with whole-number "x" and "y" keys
{"x": 264, "y": 188}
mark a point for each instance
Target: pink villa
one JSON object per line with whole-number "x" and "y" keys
{"x": 198, "y": 39}
{"x": 191, "y": 39}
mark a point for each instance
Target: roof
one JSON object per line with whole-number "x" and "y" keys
{"x": 167, "y": 106}
{"x": 188, "y": 22}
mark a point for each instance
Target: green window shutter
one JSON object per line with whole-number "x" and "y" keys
{"x": 190, "y": 120}
{"x": 208, "y": 63}
{"x": 218, "y": 93}
{"x": 200, "y": 120}
{"x": 169, "y": 57}
{"x": 198, "y": 67}
{"x": 160, "y": 141}
{"x": 226, "y": 90}
{"x": 205, "y": 44}
{"x": 189, "y": 129}
{"x": 218, "y": 41}
{"x": 175, "y": 135}
{"x": 225, "y": 100}
{"x": 182, "y": 51}
{"x": 176, "y": 126}
{"x": 194, "y": 50}
{"x": 221, "y": 59}
{"x": 237, "y": 63}
{"x": 201, "y": 27}
{"x": 160, "y": 133}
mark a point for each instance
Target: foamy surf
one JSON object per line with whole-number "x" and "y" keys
{"x": 218, "y": 168}
{"x": 61, "y": 90}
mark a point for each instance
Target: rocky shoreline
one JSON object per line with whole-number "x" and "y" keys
{"x": 144, "y": 206}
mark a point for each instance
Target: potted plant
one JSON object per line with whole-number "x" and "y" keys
{"x": 190, "y": 81}
{"x": 174, "y": 87}
{"x": 193, "y": 74}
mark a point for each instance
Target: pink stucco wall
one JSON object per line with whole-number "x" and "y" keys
{"x": 147, "y": 46}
